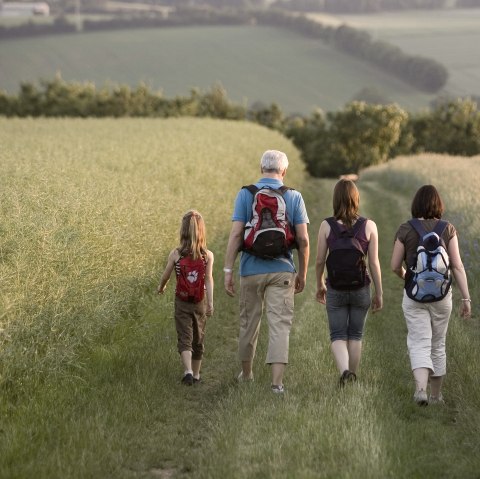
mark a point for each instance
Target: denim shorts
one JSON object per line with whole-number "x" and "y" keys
{"x": 347, "y": 311}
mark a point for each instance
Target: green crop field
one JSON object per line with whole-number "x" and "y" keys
{"x": 449, "y": 36}
{"x": 252, "y": 63}
{"x": 89, "y": 373}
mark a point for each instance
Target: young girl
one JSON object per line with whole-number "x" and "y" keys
{"x": 193, "y": 264}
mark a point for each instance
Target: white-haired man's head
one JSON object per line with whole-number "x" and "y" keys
{"x": 274, "y": 161}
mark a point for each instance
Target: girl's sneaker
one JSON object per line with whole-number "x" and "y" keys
{"x": 276, "y": 389}
{"x": 187, "y": 380}
{"x": 347, "y": 377}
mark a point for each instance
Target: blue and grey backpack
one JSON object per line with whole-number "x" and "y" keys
{"x": 429, "y": 279}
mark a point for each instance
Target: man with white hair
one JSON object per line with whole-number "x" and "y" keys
{"x": 267, "y": 283}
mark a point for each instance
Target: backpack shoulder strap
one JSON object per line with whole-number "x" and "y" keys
{"x": 359, "y": 224}
{"x": 252, "y": 188}
{"x": 333, "y": 225}
{"x": 284, "y": 188}
{"x": 440, "y": 227}
{"x": 417, "y": 225}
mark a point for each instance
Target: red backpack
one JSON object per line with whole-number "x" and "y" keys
{"x": 190, "y": 278}
{"x": 268, "y": 234}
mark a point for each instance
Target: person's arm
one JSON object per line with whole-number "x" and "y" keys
{"x": 234, "y": 243}
{"x": 396, "y": 263}
{"x": 460, "y": 276}
{"x": 172, "y": 257}
{"x": 322, "y": 249}
{"x": 303, "y": 242}
{"x": 374, "y": 265}
{"x": 209, "y": 283}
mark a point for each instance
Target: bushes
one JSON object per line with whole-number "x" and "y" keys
{"x": 361, "y": 135}
{"x": 351, "y": 139}
{"x": 344, "y": 141}
{"x": 58, "y": 98}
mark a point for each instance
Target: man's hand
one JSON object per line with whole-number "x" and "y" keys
{"x": 229, "y": 284}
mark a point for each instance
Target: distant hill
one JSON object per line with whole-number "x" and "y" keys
{"x": 253, "y": 63}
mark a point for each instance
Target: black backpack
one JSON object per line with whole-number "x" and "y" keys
{"x": 346, "y": 265}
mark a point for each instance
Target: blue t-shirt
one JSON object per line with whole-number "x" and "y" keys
{"x": 297, "y": 214}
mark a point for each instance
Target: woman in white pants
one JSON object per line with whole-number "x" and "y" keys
{"x": 427, "y": 322}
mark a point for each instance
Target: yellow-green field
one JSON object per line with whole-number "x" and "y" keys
{"x": 89, "y": 373}
{"x": 90, "y": 209}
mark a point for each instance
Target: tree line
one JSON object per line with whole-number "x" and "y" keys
{"x": 423, "y": 73}
{"x": 331, "y": 6}
{"x": 359, "y": 6}
{"x": 344, "y": 141}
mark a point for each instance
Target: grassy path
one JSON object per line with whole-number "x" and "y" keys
{"x": 125, "y": 414}
{"x": 371, "y": 430}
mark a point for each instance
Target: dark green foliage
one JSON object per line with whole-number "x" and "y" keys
{"x": 453, "y": 127}
{"x": 58, "y": 98}
{"x": 269, "y": 116}
{"x": 351, "y": 139}
{"x": 361, "y": 6}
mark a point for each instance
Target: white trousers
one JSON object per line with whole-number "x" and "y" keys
{"x": 427, "y": 325}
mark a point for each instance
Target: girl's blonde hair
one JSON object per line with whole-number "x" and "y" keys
{"x": 346, "y": 200}
{"x": 193, "y": 240}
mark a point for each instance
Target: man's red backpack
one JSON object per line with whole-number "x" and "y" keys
{"x": 269, "y": 233}
{"x": 190, "y": 278}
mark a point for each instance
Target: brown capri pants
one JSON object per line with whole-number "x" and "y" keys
{"x": 190, "y": 321}
{"x": 275, "y": 292}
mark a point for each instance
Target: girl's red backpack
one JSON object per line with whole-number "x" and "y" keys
{"x": 190, "y": 278}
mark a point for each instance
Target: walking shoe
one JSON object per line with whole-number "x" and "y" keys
{"x": 347, "y": 377}
{"x": 242, "y": 379}
{"x": 277, "y": 389}
{"x": 196, "y": 381}
{"x": 420, "y": 397}
{"x": 187, "y": 380}
{"x": 436, "y": 399}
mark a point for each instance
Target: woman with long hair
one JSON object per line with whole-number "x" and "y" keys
{"x": 345, "y": 240}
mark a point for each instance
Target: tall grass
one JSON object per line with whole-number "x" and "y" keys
{"x": 89, "y": 210}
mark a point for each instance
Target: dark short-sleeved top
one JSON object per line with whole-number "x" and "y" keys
{"x": 407, "y": 235}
